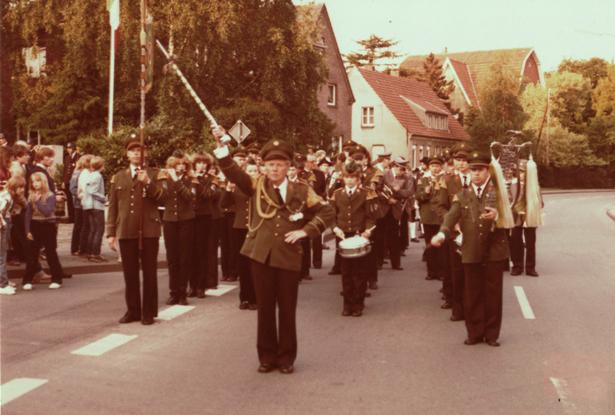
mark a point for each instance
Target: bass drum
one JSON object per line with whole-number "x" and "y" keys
{"x": 354, "y": 247}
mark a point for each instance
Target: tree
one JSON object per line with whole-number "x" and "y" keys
{"x": 570, "y": 100}
{"x": 568, "y": 149}
{"x": 375, "y": 49}
{"x": 603, "y": 96}
{"x": 500, "y": 109}
{"x": 593, "y": 69}
{"x": 434, "y": 76}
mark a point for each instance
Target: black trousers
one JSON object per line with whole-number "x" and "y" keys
{"x": 69, "y": 203}
{"x": 523, "y": 247}
{"x": 146, "y": 259}
{"x": 457, "y": 281}
{"x": 228, "y": 256}
{"x": 76, "y": 235}
{"x": 337, "y": 259}
{"x": 84, "y": 233}
{"x": 306, "y": 258}
{"x": 200, "y": 252}
{"x": 178, "y": 241}
{"x": 317, "y": 251}
{"x": 246, "y": 285}
{"x": 404, "y": 238}
{"x": 212, "y": 252}
{"x": 45, "y": 235}
{"x": 445, "y": 270}
{"x": 276, "y": 290}
{"x": 434, "y": 256}
{"x": 354, "y": 282}
{"x": 391, "y": 238}
{"x": 19, "y": 241}
{"x": 483, "y": 300}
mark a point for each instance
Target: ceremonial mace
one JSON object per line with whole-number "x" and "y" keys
{"x": 226, "y": 139}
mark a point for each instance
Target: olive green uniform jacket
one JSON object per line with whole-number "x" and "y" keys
{"x": 265, "y": 239}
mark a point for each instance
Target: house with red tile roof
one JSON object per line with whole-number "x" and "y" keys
{"x": 400, "y": 115}
{"x": 469, "y": 70}
{"x": 335, "y": 97}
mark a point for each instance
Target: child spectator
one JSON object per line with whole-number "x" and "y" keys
{"x": 6, "y": 203}
{"x": 41, "y": 230}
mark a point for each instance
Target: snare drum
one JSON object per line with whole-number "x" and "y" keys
{"x": 354, "y": 247}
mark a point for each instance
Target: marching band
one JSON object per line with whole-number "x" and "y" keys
{"x": 272, "y": 207}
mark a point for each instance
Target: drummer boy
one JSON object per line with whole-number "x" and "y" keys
{"x": 356, "y": 212}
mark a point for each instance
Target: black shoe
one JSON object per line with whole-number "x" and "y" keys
{"x": 515, "y": 271}
{"x": 128, "y": 318}
{"x": 182, "y": 301}
{"x": 472, "y": 342}
{"x": 373, "y": 285}
{"x": 346, "y": 312}
{"x": 67, "y": 276}
{"x": 493, "y": 343}
{"x": 335, "y": 272}
{"x": 192, "y": 292}
{"x": 287, "y": 370}
{"x": 531, "y": 273}
{"x": 200, "y": 293}
{"x": 307, "y": 277}
{"x": 415, "y": 240}
{"x": 368, "y": 294}
{"x": 456, "y": 318}
{"x": 265, "y": 368}
{"x": 172, "y": 300}
{"x": 398, "y": 268}
{"x": 253, "y": 306}
{"x": 317, "y": 266}
{"x": 243, "y": 305}
{"x": 357, "y": 313}
{"x": 446, "y": 305}
{"x": 147, "y": 321}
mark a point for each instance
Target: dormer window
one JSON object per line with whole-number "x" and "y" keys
{"x": 437, "y": 121}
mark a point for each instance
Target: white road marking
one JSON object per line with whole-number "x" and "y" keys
{"x": 221, "y": 290}
{"x": 526, "y": 309}
{"x": 104, "y": 345}
{"x": 561, "y": 389}
{"x": 15, "y": 388}
{"x": 174, "y": 311}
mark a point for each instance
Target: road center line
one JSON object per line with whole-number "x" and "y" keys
{"x": 561, "y": 389}
{"x": 174, "y": 311}
{"x": 221, "y": 290}
{"x": 104, "y": 345}
{"x": 526, "y": 309}
{"x": 18, "y": 387}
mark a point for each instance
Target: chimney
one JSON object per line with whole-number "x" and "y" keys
{"x": 370, "y": 67}
{"x": 394, "y": 72}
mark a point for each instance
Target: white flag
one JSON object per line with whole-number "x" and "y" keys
{"x": 113, "y": 7}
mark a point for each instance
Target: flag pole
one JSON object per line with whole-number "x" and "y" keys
{"x": 111, "y": 82}
{"x": 143, "y": 42}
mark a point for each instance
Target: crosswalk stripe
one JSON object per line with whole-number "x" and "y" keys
{"x": 221, "y": 290}
{"x": 174, "y": 311}
{"x": 17, "y": 387}
{"x": 561, "y": 388}
{"x": 104, "y": 345}
{"x": 526, "y": 309}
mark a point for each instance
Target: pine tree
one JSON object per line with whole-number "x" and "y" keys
{"x": 434, "y": 76}
{"x": 375, "y": 49}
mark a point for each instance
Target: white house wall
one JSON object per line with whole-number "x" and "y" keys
{"x": 387, "y": 131}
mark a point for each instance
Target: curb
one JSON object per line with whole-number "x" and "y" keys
{"x": 570, "y": 191}
{"x": 81, "y": 269}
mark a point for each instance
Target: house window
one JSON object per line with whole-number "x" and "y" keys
{"x": 437, "y": 121}
{"x": 367, "y": 116}
{"x": 332, "y": 97}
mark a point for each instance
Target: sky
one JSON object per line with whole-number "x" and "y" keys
{"x": 556, "y": 29}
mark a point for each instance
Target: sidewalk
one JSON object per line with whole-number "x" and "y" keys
{"x": 564, "y": 191}
{"x": 77, "y": 265}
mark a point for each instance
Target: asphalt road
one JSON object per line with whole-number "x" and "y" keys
{"x": 402, "y": 357}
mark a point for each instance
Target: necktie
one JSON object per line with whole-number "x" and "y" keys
{"x": 279, "y": 194}
{"x": 478, "y": 192}
{"x": 465, "y": 182}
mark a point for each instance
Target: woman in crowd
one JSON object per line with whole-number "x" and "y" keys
{"x": 93, "y": 205}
